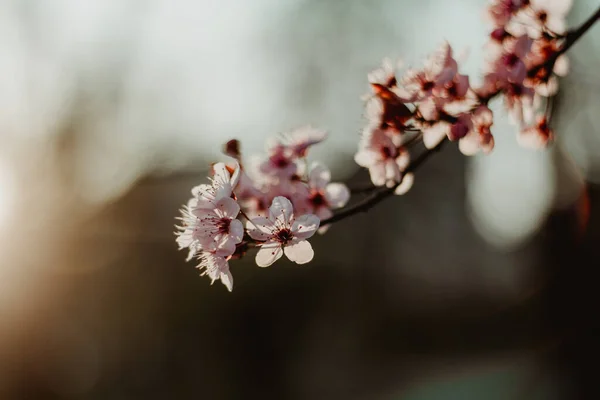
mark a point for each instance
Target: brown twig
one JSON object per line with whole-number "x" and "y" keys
{"x": 382, "y": 193}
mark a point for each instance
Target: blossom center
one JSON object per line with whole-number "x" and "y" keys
{"x": 280, "y": 161}
{"x": 388, "y": 152}
{"x": 284, "y": 235}
{"x": 317, "y": 199}
{"x": 427, "y": 86}
{"x": 511, "y": 59}
{"x": 223, "y": 225}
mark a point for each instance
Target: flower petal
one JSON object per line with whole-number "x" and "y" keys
{"x": 281, "y": 211}
{"x": 435, "y": 134}
{"x": 337, "y": 194}
{"x": 305, "y": 226}
{"x": 268, "y": 254}
{"x": 260, "y": 228}
{"x": 227, "y": 207}
{"x": 236, "y": 230}
{"x": 300, "y": 253}
{"x": 227, "y": 279}
{"x": 319, "y": 176}
{"x": 406, "y": 184}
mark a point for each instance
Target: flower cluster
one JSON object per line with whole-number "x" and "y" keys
{"x": 523, "y": 61}
{"x": 280, "y": 196}
{"x": 438, "y": 102}
{"x": 278, "y": 200}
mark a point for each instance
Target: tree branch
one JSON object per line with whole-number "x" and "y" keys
{"x": 382, "y": 193}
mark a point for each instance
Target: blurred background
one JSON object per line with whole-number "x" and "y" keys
{"x": 478, "y": 284}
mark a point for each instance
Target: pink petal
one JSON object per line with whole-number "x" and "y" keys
{"x": 556, "y": 24}
{"x": 561, "y": 67}
{"x": 281, "y": 211}
{"x": 319, "y": 176}
{"x": 433, "y": 135}
{"x": 469, "y": 145}
{"x": 227, "y": 207}
{"x": 225, "y": 245}
{"x": 337, "y": 194}
{"x": 403, "y": 160}
{"x": 392, "y": 172}
{"x": 300, "y": 253}
{"x": 268, "y": 254}
{"x": 305, "y": 226}
{"x": 377, "y": 173}
{"x": 236, "y": 230}
{"x": 260, "y": 228}
{"x": 366, "y": 158}
{"x": 227, "y": 279}
{"x": 406, "y": 184}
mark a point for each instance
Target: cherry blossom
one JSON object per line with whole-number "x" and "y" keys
{"x": 541, "y": 17}
{"x": 439, "y": 69}
{"x": 222, "y": 184}
{"x": 537, "y": 136}
{"x": 216, "y": 268}
{"x": 384, "y": 158}
{"x": 500, "y": 12}
{"x": 283, "y": 232}
{"x": 479, "y": 136}
{"x": 301, "y": 139}
{"x": 217, "y": 229}
{"x": 507, "y": 62}
{"x": 322, "y": 196}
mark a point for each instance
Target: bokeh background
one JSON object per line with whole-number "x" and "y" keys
{"x": 478, "y": 284}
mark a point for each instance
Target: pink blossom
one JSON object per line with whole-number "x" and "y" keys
{"x": 480, "y": 136}
{"x": 217, "y": 229}
{"x": 542, "y": 16}
{"x": 501, "y": 11}
{"x": 216, "y": 267}
{"x": 508, "y": 61}
{"x": 301, "y": 139}
{"x": 518, "y": 100}
{"x": 385, "y": 158}
{"x": 283, "y": 232}
{"x": 537, "y": 136}
{"x": 385, "y": 106}
{"x": 439, "y": 69}
{"x": 222, "y": 185}
{"x": 280, "y": 161}
{"x": 321, "y": 195}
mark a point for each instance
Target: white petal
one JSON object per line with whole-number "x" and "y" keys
{"x": 281, "y": 211}
{"x": 337, "y": 194}
{"x": 434, "y": 135}
{"x": 227, "y": 279}
{"x": 227, "y": 207}
{"x": 556, "y": 24}
{"x": 377, "y": 173}
{"x": 405, "y": 185}
{"x": 268, "y": 254}
{"x": 561, "y": 66}
{"x": 235, "y": 178}
{"x": 319, "y": 176}
{"x": 323, "y": 213}
{"x": 260, "y": 228}
{"x": 305, "y": 226}
{"x": 366, "y": 158}
{"x": 301, "y": 252}
{"x": 236, "y": 230}
{"x": 469, "y": 145}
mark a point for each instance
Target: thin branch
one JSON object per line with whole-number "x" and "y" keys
{"x": 382, "y": 193}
